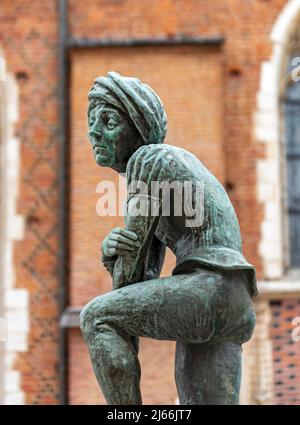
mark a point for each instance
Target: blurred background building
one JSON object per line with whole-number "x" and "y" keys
{"x": 227, "y": 72}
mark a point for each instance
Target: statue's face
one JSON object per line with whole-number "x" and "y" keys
{"x": 114, "y": 138}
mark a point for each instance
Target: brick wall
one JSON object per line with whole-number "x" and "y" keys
{"x": 286, "y": 352}
{"x": 246, "y": 27}
{"x": 193, "y": 101}
{"x": 227, "y": 79}
{"x": 231, "y": 72}
{"x": 29, "y": 43}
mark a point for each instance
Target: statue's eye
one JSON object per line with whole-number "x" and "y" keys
{"x": 111, "y": 124}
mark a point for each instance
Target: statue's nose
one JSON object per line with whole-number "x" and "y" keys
{"x": 95, "y": 133}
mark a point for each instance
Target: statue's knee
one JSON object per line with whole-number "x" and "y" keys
{"x": 84, "y": 320}
{"x": 91, "y": 315}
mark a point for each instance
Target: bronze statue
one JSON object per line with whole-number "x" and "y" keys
{"x": 205, "y": 306}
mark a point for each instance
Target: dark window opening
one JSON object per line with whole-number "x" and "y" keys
{"x": 291, "y": 109}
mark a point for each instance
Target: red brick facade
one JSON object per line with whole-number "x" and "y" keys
{"x": 210, "y": 97}
{"x": 285, "y": 352}
{"x": 30, "y": 45}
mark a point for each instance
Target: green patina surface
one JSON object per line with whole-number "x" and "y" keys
{"x": 205, "y": 306}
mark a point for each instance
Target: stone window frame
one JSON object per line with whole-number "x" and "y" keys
{"x": 14, "y": 302}
{"x": 269, "y": 130}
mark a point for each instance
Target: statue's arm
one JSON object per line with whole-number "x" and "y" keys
{"x": 145, "y": 261}
{"x": 148, "y": 164}
{"x": 155, "y": 259}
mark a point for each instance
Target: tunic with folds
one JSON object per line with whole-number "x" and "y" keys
{"x": 214, "y": 242}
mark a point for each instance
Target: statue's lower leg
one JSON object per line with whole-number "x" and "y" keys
{"x": 116, "y": 364}
{"x": 208, "y": 373}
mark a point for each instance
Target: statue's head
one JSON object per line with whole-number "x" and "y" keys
{"x": 123, "y": 115}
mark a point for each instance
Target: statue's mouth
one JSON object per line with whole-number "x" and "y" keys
{"x": 99, "y": 148}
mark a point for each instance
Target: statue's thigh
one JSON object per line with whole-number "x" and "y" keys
{"x": 178, "y": 307}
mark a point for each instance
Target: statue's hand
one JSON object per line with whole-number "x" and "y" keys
{"x": 119, "y": 242}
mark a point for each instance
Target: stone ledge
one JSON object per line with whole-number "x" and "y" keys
{"x": 280, "y": 289}
{"x": 70, "y": 317}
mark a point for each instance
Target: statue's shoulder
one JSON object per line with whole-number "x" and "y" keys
{"x": 151, "y": 161}
{"x": 146, "y": 151}
{"x": 155, "y": 152}
{"x": 146, "y": 154}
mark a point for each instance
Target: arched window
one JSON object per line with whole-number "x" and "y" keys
{"x": 291, "y": 111}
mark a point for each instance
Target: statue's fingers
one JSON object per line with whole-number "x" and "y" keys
{"x": 119, "y": 245}
{"x": 129, "y": 234}
{"x": 122, "y": 239}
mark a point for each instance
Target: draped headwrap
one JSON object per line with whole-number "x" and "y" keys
{"x": 137, "y": 100}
